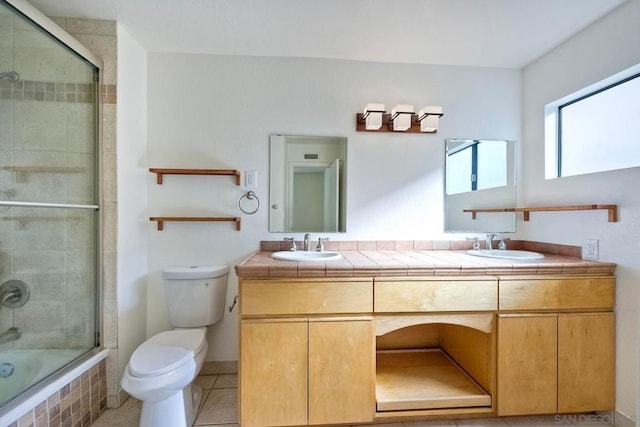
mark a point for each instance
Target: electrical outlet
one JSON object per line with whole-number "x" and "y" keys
{"x": 590, "y": 249}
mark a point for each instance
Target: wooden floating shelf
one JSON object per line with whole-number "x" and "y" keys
{"x": 424, "y": 379}
{"x": 612, "y": 210}
{"x": 162, "y": 219}
{"x": 224, "y": 172}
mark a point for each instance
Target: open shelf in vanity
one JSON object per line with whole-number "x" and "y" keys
{"x": 424, "y": 379}
{"x": 435, "y": 346}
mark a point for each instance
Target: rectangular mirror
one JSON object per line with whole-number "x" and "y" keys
{"x": 480, "y": 174}
{"x": 307, "y": 187}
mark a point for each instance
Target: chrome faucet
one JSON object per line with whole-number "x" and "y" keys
{"x": 293, "y": 246}
{"x": 9, "y": 335}
{"x": 307, "y": 245}
{"x": 489, "y": 244}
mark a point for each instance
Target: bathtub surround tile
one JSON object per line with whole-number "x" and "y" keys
{"x": 109, "y": 130}
{"x": 89, "y": 26}
{"x": 77, "y": 403}
{"x": 26, "y": 420}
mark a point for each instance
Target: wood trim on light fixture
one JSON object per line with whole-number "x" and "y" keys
{"x": 387, "y": 124}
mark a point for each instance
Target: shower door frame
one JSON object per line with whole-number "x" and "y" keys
{"x": 50, "y": 27}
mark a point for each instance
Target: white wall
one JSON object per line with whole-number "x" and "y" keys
{"x": 218, "y": 111}
{"x": 132, "y": 196}
{"x": 608, "y": 46}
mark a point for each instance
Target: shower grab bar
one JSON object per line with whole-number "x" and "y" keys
{"x": 47, "y": 205}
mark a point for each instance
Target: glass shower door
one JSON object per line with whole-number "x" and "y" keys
{"x": 48, "y": 199}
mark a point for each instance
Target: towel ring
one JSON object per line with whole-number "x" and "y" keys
{"x": 250, "y": 195}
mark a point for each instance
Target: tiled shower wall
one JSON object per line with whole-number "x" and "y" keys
{"x": 101, "y": 38}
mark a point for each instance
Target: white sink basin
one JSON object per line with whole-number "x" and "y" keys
{"x": 306, "y": 256}
{"x": 506, "y": 254}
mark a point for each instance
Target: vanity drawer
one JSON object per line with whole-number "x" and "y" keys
{"x": 313, "y": 296}
{"x": 393, "y": 296}
{"x": 560, "y": 293}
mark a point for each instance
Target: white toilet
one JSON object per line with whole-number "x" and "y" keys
{"x": 161, "y": 371}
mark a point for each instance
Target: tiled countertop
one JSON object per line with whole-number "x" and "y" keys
{"x": 414, "y": 262}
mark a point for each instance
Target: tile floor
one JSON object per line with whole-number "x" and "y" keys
{"x": 220, "y": 404}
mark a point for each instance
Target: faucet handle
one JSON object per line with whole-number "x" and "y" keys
{"x": 293, "y": 246}
{"x": 476, "y": 242}
{"x": 320, "y": 246}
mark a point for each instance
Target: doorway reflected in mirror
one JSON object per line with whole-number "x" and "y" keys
{"x": 307, "y": 187}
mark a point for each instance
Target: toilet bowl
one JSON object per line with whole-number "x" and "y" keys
{"x": 161, "y": 370}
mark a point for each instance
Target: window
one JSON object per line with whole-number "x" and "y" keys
{"x": 475, "y": 165}
{"x": 595, "y": 129}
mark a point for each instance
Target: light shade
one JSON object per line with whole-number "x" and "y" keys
{"x": 401, "y": 116}
{"x": 372, "y": 115}
{"x": 429, "y": 118}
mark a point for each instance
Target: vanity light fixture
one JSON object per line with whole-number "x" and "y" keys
{"x": 372, "y": 116}
{"x": 429, "y": 118}
{"x": 402, "y": 115}
{"x": 402, "y": 118}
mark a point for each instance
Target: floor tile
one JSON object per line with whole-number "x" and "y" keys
{"x": 532, "y": 421}
{"x": 226, "y": 381}
{"x": 431, "y": 423}
{"x": 127, "y": 415}
{"x": 488, "y": 422}
{"x": 214, "y": 368}
{"x": 221, "y": 407}
{"x": 205, "y": 381}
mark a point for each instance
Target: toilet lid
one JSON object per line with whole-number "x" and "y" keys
{"x": 166, "y": 351}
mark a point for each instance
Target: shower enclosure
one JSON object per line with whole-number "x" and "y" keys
{"x": 49, "y": 205}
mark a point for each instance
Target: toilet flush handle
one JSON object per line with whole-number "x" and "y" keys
{"x": 235, "y": 301}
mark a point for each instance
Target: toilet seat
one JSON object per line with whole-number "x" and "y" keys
{"x": 166, "y": 351}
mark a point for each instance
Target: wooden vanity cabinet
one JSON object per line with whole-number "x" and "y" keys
{"x": 527, "y": 364}
{"x": 298, "y": 368}
{"x": 560, "y": 361}
{"x": 273, "y": 372}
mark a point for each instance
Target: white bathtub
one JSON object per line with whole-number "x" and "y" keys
{"x": 27, "y": 401}
{"x": 30, "y": 367}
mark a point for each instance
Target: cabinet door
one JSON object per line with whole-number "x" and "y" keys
{"x": 341, "y": 371}
{"x": 273, "y": 372}
{"x": 586, "y": 362}
{"x": 527, "y": 364}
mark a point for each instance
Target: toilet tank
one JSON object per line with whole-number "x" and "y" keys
{"x": 195, "y": 295}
